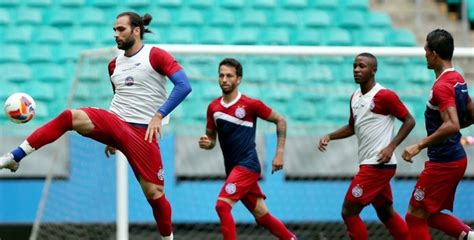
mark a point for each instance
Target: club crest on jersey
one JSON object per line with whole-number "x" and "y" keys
{"x": 161, "y": 174}
{"x": 129, "y": 81}
{"x": 230, "y": 188}
{"x": 240, "y": 112}
{"x": 357, "y": 191}
{"x": 419, "y": 194}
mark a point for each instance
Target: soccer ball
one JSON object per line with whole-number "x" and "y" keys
{"x": 20, "y": 107}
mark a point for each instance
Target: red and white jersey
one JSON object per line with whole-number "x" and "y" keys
{"x": 373, "y": 115}
{"x": 140, "y": 83}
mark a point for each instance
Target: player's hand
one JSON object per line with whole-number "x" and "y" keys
{"x": 154, "y": 128}
{"x": 277, "y": 163}
{"x": 385, "y": 155}
{"x": 323, "y": 143}
{"x": 109, "y": 151}
{"x": 205, "y": 142}
{"x": 410, "y": 152}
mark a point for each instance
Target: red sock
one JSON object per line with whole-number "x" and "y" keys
{"x": 418, "y": 227}
{"x": 162, "y": 213}
{"x": 227, "y": 221}
{"x": 275, "y": 226}
{"x": 397, "y": 227}
{"x": 51, "y": 131}
{"x": 356, "y": 228}
{"x": 449, "y": 224}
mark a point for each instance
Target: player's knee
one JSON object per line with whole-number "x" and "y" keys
{"x": 222, "y": 207}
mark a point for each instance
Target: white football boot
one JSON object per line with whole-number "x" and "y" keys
{"x": 7, "y": 161}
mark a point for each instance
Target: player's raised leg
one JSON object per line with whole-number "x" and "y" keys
{"x": 256, "y": 205}
{"x": 48, "y": 133}
{"x": 160, "y": 206}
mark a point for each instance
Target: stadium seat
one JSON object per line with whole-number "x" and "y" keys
{"x": 470, "y": 11}
{"x": 317, "y": 19}
{"x": 15, "y": 72}
{"x": 295, "y": 4}
{"x": 83, "y": 36}
{"x": 181, "y": 36}
{"x": 278, "y": 92}
{"x": 351, "y": 19}
{"x": 169, "y": 3}
{"x": 356, "y": 4}
{"x": 401, "y": 37}
{"x": 68, "y": 53}
{"x": 41, "y": 91}
{"x": 256, "y": 74}
{"x": 9, "y": 3}
{"x": 320, "y": 73}
{"x": 49, "y": 35}
{"x": 72, "y": 3}
{"x": 222, "y": 18}
{"x": 285, "y": 18}
{"x": 92, "y": 17}
{"x": 266, "y": 4}
{"x": 137, "y": 3}
{"x": 62, "y": 17}
{"x": 11, "y": 54}
{"x": 38, "y": 3}
{"x": 189, "y": 17}
{"x": 371, "y": 37}
{"x": 246, "y": 36}
{"x": 379, "y": 20}
{"x": 28, "y": 16}
{"x": 309, "y": 37}
{"x": 39, "y": 54}
{"x": 49, "y": 72}
{"x": 232, "y": 4}
{"x": 161, "y": 17}
{"x": 103, "y": 3}
{"x": 212, "y": 35}
{"x": 419, "y": 74}
{"x": 18, "y": 35}
{"x": 324, "y": 4}
{"x": 291, "y": 73}
{"x": 42, "y": 110}
{"x": 277, "y": 36}
{"x": 200, "y": 4}
{"x": 302, "y": 111}
{"x": 4, "y": 17}
{"x": 254, "y": 18}
{"x": 338, "y": 37}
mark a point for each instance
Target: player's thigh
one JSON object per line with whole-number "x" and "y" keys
{"x": 350, "y": 208}
{"x": 151, "y": 190}
{"x": 260, "y": 208}
{"x": 81, "y": 121}
{"x": 384, "y": 211}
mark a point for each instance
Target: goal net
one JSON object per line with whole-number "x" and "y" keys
{"x": 310, "y": 86}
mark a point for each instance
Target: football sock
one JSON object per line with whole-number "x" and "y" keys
{"x": 449, "y": 224}
{"x": 46, "y": 134}
{"x": 162, "y": 213}
{"x": 275, "y": 226}
{"x": 418, "y": 227}
{"x": 356, "y": 228}
{"x": 18, "y": 154}
{"x": 397, "y": 227}
{"x": 227, "y": 221}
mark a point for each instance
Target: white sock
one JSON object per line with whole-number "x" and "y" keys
{"x": 470, "y": 235}
{"x": 170, "y": 237}
{"x": 26, "y": 147}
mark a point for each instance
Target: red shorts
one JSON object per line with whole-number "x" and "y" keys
{"x": 242, "y": 184}
{"x": 144, "y": 157}
{"x": 371, "y": 185}
{"x": 436, "y": 186}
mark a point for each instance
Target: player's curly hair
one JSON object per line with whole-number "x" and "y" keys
{"x": 138, "y": 21}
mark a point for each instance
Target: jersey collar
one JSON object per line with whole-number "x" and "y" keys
{"x": 445, "y": 71}
{"x": 227, "y": 105}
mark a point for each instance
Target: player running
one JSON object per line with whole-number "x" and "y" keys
{"x": 373, "y": 109}
{"x": 134, "y": 120}
{"x": 233, "y": 117}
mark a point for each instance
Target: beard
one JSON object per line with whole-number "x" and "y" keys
{"x": 126, "y": 44}
{"x": 228, "y": 88}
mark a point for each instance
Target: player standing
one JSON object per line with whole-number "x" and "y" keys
{"x": 233, "y": 117}
{"x": 134, "y": 121}
{"x": 372, "y": 112}
{"x": 449, "y": 108}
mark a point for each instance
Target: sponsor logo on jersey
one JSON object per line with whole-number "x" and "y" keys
{"x": 240, "y": 112}
{"x": 419, "y": 194}
{"x": 230, "y": 188}
{"x": 357, "y": 191}
{"x": 129, "y": 81}
{"x": 161, "y": 174}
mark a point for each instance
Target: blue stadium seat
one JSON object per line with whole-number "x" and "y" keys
{"x": 50, "y": 72}
{"x": 338, "y": 37}
{"x": 232, "y": 4}
{"x": 212, "y": 35}
{"x": 310, "y": 37}
{"x": 15, "y": 72}
{"x": 161, "y": 17}
{"x": 181, "y": 36}
{"x": 222, "y": 18}
{"x": 265, "y": 4}
{"x": 9, "y": 3}
{"x": 371, "y": 37}
{"x": 379, "y": 19}
{"x": 320, "y": 73}
{"x": 295, "y": 4}
{"x": 302, "y": 111}
{"x": 200, "y": 4}
{"x": 28, "y": 16}
{"x": 137, "y": 3}
{"x": 285, "y": 18}
{"x": 277, "y": 36}
{"x": 62, "y": 17}
{"x": 103, "y": 3}
{"x": 278, "y": 92}
{"x": 256, "y": 74}
{"x": 246, "y": 36}
{"x": 4, "y": 17}
{"x": 49, "y": 35}
{"x": 68, "y": 53}
{"x": 11, "y": 54}
{"x": 169, "y": 3}
{"x": 419, "y": 74}
{"x": 17, "y": 35}
{"x": 352, "y": 19}
{"x": 39, "y": 3}
{"x": 72, "y": 3}
{"x": 254, "y": 18}
{"x": 291, "y": 73}
{"x": 92, "y": 17}
{"x": 189, "y": 17}
{"x": 41, "y": 91}
{"x": 83, "y": 36}
{"x": 357, "y": 4}
{"x": 324, "y": 4}
{"x": 317, "y": 19}
{"x": 401, "y": 37}
{"x": 39, "y": 54}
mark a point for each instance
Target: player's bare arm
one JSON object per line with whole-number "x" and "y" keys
{"x": 407, "y": 126}
{"x": 208, "y": 141}
{"x": 154, "y": 127}
{"x": 281, "y": 138}
{"x": 343, "y": 132}
{"x": 469, "y": 117}
{"x": 449, "y": 127}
